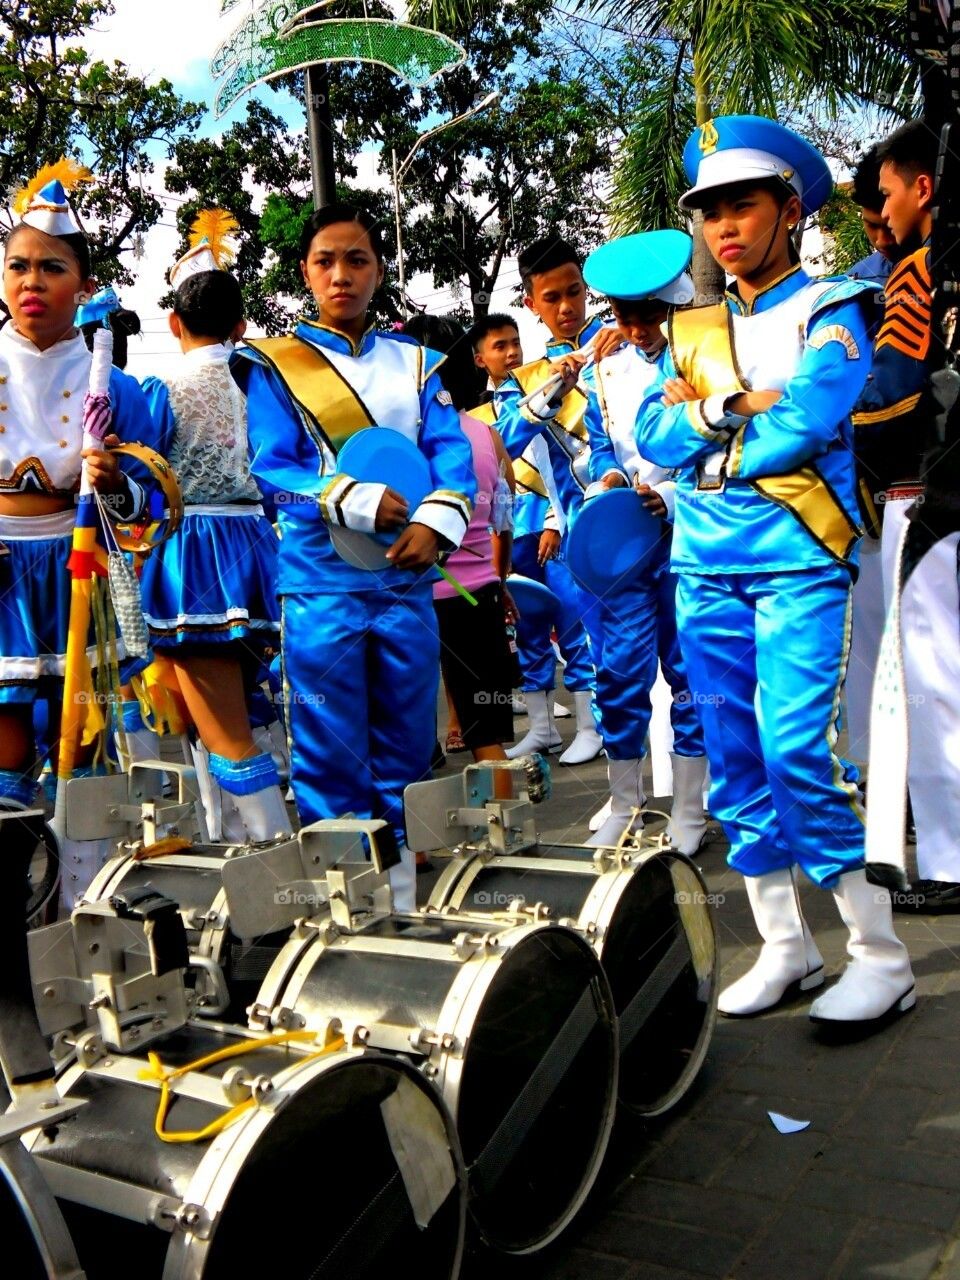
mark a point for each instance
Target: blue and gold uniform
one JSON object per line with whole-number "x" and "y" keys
{"x": 637, "y": 615}
{"x": 765, "y": 545}
{"x": 563, "y": 430}
{"x": 360, "y": 647}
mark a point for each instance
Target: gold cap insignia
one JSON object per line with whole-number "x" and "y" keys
{"x": 709, "y": 138}
{"x": 787, "y": 174}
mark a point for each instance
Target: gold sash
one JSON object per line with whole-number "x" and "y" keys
{"x": 317, "y": 388}
{"x": 485, "y": 413}
{"x": 701, "y": 342}
{"x": 523, "y": 472}
{"x": 531, "y": 377}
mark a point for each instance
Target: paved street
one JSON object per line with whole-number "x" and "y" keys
{"x": 870, "y": 1191}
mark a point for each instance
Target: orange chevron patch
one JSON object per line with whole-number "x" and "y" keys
{"x": 906, "y": 319}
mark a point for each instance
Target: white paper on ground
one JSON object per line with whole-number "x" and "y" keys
{"x": 786, "y": 1124}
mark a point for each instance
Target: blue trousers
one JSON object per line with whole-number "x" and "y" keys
{"x": 360, "y": 676}
{"x": 631, "y": 631}
{"x": 766, "y": 657}
{"x": 537, "y": 658}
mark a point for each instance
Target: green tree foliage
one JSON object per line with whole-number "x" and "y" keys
{"x": 844, "y": 239}
{"x": 473, "y": 194}
{"x": 726, "y": 56}
{"x": 54, "y": 100}
{"x": 256, "y": 155}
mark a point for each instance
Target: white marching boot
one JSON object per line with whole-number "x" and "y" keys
{"x": 272, "y": 740}
{"x": 403, "y": 881}
{"x": 688, "y": 823}
{"x": 263, "y": 813}
{"x": 603, "y": 813}
{"x": 560, "y": 712}
{"x": 587, "y": 743}
{"x": 517, "y": 704}
{"x": 878, "y": 978}
{"x": 626, "y": 796}
{"x": 80, "y": 860}
{"x": 789, "y": 955}
{"x": 542, "y": 735}
{"x": 141, "y": 744}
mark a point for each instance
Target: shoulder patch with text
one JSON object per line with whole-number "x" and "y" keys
{"x": 835, "y": 333}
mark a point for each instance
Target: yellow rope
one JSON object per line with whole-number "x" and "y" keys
{"x": 157, "y": 1071}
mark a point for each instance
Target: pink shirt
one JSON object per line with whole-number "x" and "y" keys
{"x": 475, "y": 570}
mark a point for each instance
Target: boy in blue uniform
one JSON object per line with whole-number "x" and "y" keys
{"x": 643, "y": 276}
{"x": 555, "y": 291}
{"x": 536, "y": 540}
{"x": 755, "y": 411}
{"x": 360, "y": 647}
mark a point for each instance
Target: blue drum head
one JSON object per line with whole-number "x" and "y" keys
{"x": 380, "y": 455}
{"x": 537, "y": 603}
{"x": 612, "y": 540}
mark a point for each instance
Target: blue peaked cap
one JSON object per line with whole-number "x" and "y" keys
{"x": 650, "y": 264}
{"x": 752, "y": 148}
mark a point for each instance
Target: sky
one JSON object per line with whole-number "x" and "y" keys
{"x": 179, "y": 48}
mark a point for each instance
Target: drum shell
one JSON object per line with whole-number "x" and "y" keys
{"x": 329, "y": 1129}
{"x": 650, "y": 922}
{"x": 193, "y": 880}
{"x": 492, "y": 1018}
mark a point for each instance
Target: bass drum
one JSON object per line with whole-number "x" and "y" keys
{"x": 513, "y": 1021}
{"x": 347, "y": 1163}
{"x": 649, "y": 919}
{"x": 193, "y": 879}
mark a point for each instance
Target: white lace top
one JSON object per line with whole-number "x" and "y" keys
{"x": 209, "y": 450}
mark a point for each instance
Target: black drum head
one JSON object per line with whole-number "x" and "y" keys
{"x": 660, "y": 956}
{"x": 537, "y": 1095}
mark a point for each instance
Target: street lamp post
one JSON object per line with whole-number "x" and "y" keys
{"x": 401, "y": 170}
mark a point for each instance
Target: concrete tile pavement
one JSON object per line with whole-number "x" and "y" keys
{"x": 870, "y": 1191}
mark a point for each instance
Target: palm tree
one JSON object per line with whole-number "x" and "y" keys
{"x": 746, "y": 56}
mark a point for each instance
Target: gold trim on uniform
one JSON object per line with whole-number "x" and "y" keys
{"x": 531, "y": 377}
{"x": 808, "y": 497}
{"x": 317, "y": 387}
{"x": 704, "y": 354}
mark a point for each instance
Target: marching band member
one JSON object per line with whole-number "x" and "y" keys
{"x": 475, "y": 655}
{"x": 44, "y": 376}
{"x": 554, "y": 290}
{"x": 892, "y": 423}
{"x": 755, "y": 411}
{"x": 209, "y": 591}
{"x": 360, "y": 648}
{"x": 536, "y": 541}
{"x": 644, "y": 276}
{"x": 868, "y": 595}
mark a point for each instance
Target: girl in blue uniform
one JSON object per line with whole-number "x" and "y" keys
{"x": 44, "y": 376}
{"x": 755, "y": 411}
{"x": 209, "y": 591}
{"x": 360, "y": 648}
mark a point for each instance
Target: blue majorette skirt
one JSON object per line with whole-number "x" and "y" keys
{"x": 35, "y": 587}
{"x": 214, "y": 582}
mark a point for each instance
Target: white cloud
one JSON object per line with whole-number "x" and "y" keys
{"x": 176, "y": 41}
